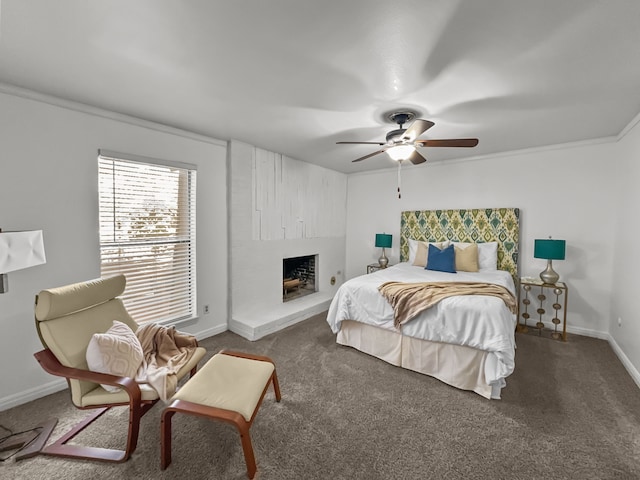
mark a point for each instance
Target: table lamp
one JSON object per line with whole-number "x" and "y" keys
{"x": 549, "y": 249}
{"x": 19, "y": 250}
{"x": 383, "y": 240}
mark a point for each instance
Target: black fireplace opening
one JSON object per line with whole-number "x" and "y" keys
{"x": 298, "y": 277}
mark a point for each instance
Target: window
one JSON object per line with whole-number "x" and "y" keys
{"x": 148, "y": 233}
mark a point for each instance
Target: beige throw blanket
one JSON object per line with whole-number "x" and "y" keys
{"x": 409, "y": 299}
{"x": 166, "y": 351}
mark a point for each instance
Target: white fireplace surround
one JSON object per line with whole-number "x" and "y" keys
{"x": 281, "y": 208}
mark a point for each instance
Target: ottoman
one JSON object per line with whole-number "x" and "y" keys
{"x": 228, "y": 388}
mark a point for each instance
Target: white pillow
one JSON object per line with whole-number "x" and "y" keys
{"x": 413, "y": 247}
{"x": 117, "y": 351}
{"x": 487, "y": 254}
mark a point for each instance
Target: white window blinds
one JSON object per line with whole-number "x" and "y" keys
{"x": 148, "y": 233}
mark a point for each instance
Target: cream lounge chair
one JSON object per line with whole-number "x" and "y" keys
{"x": 66, "y": 319}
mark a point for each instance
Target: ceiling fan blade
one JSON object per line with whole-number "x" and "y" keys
{"x": 417, "y": 128}
{"x": 370, "y": 155}
{"x": 361, "y": 143}
{"x": 454, "y": 142}
{"x": 416, "y": 158}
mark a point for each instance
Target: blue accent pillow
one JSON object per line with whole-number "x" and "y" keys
{"x": 441, "y": 260}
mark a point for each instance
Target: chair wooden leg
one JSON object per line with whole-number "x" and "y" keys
{"x": 33, "y": 448}
{"x": 60, "y": 448}
{"x": 165, "y": 438}
{"x": 137, "y": 408}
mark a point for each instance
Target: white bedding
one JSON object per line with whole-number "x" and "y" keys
{"x": 477, "y": 321}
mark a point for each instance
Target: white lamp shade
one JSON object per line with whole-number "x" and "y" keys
{"x": 20, "y": 250}
{"x": 401, "y": 152}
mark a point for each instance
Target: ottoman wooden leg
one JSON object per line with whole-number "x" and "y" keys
{"x": 257, "y": 376}
{"x": 276, "y": 385}
{"x": 247, "y": 448}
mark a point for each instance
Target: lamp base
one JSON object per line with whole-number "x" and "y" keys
{"x": 549, "y": 275}
{"x": 383, "y": 261}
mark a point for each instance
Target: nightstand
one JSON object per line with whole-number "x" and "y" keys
{"x": 374, "y": 267}
{"x": 531, "y": 293}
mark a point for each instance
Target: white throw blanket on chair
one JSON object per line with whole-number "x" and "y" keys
{"x": 166, "y": 351}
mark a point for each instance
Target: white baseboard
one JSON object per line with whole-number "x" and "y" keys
{"x": 32, "y": 394}
{"x": 210, "y": 332}
{"x": 585, "y": 332}
{"x": 242, "y": 329}
{"x": 633, "y": 371}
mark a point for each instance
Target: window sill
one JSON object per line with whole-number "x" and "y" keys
{"x": 175, "y": 323}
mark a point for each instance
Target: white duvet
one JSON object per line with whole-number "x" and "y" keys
{"x": 477, "y": 321}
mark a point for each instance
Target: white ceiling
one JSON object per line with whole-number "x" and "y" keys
{"x": 296, "y": 76}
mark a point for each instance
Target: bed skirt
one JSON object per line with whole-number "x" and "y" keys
{"x": 456, "y": 365}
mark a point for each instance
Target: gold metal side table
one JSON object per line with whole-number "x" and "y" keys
{"x": 374, "y": 267}
{"x": 532, "y": 290}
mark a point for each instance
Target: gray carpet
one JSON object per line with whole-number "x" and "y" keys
{"x": 569, "y": 411}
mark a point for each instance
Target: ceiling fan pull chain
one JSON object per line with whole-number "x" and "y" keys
{"x": 399, "y": 178}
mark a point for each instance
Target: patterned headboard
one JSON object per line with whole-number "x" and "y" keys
{"x": 477, "y": 225}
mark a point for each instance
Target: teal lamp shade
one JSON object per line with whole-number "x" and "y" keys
{"x": 383, "y": 240}
{"x": 549, "y": 249}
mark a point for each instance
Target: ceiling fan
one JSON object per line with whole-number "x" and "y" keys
{"x": 401, "y": 144}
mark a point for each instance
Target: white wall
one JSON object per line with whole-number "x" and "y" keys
{"x": 627, "y": 256}
{"x": 568, "y": 193}
{"x": 256, "y": 265}
{"x": 48, "y": 181}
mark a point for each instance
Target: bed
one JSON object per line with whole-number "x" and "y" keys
{"x": 465, "y": 341}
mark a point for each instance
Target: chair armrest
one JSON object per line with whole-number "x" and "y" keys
{"x": 52, "y": 365}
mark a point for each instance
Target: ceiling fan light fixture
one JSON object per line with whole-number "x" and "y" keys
{"x": 401, "y": 152}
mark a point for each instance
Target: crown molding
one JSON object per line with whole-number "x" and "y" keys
{"x": 15, "y": 91}
{"x": 510, "y": 153}
{"x": 634, "y": 121}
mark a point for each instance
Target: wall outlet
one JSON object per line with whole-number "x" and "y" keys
{"x": 205, "y": 309}
{"x": 333, "y": 280}
{"x": 619, "y": 321}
